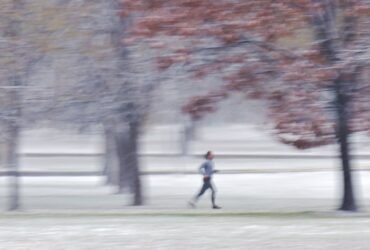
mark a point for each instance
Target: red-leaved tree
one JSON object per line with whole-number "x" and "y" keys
{"x": 316, "y": 88}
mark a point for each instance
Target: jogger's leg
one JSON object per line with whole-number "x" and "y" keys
{"x": 203, "y": 189}
{"x": 213, "y": 196}
{"x": 206, "y": 184}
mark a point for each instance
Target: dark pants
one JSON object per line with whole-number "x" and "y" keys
{"x": 207, "y": 184}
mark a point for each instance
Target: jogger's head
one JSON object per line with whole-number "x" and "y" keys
{"x": 209, "y": 155}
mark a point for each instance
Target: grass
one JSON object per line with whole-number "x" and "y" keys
{"x": 182, "y": 213}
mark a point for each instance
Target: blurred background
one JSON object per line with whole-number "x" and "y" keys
{"x": 107, "y": 108}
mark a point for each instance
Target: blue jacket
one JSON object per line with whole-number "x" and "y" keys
{"x": 207, "y": 168}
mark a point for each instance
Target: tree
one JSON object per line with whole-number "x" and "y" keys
{"x": 101, "y": 84}
{"x": 73, "y": 39}
{"x": 30, "y": 32}
{"x": 16, "y": 60}
{"x": 316, "y": 91}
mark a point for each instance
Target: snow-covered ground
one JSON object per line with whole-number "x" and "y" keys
{"x": 280, "y": 211}
{"x": 184, "y": 233}
{"x": 252, "y": 149}
{"x": 272, "y": 192}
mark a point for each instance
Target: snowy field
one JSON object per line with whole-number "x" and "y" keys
{"x": 253, "y": 149}
{"x": 305, "y": 191}
{"x": 279, "y": 211}
{"x": 184, "y": 233}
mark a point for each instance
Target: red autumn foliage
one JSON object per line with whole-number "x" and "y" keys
{"x": 241, "y": 42}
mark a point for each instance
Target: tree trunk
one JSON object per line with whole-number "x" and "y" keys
{"x": 325, "y": 25}
{"x": 121, "y": 138}
{"x": 342, "y": 105}
{"x": 134, "y": 163}
{"x": 13, "y": 102}
{"x": 127, "y": 145}
{"x": 111, "y": 169}
{"x": 11, "y": 161}
{"x": 185, "y": 140}
{"x": 128, "y": 141}
{"x": 187, "y": 136}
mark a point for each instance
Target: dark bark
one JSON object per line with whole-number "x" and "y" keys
{"x": 13, "y": 103}
{"x": 187, "y": 136}
{"x": 122, "y": 141}
{"x": 127, "y": 146}
{"x": 134, "y": 164}
{"x": 111, "y": 170}
{"x": 324, "y": 24}
{"x": 342, "y": 107}
{"x": 11, "y": 162}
